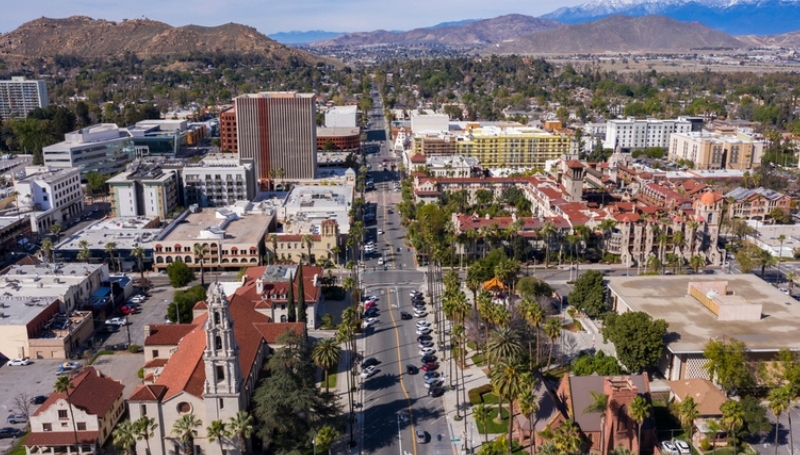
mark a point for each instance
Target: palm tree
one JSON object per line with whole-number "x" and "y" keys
{"x": 567, "y": 438}
{"x": 145, "y": 429}
{"x": 503, "y": 345}
{"x": 47, "y": 249}
{"x": 508, "y": 381}
{"x": 763, "y": 259}
{"x": 124, "y": 437}
{"x": 216, "y": 432}
{"x": 84, "y": 254}
{"x": 732, "y": 418}
{"x": 326, "y": 354}
{"x": 139, "y": 253}
{"x": 713, "y": 428}
{"x": 308, "y": 241}
{"x": 779, "y": 401}
{"x": 534, "y": 316}
{"x": 241, "y": 426}
{"x": 64, "y": 385}
{"x": 552, "y": 329}
{"x": 273, "y": 238}
{"x": 110, "y": 248}
{"x": 678, "y": 239}
{"x": 529, "y": 406}
{"x": 606, "y": 226}
{"x": 198, "y": 252}
{"x": 599, "y": 404}
{"x": 548, "y": 229}
{"x": 639, "y": 410}
{"x": 325, "y": 438}
{"x": 481, "y": 414}
{"x": 688, "y": 412}
{"x": 473, "y": 284}
{"x": 55, "y": 229}
{"x": 696, "y": 262}
{"x": 185, "y": 429}
{"x": 693, "y": 226}
{"x": 791, "y": 277}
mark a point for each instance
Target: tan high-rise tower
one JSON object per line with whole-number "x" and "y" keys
{"x": 277, "y": 132}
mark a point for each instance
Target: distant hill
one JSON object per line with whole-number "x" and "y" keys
{"x": 736, "y": 17}
{"x": 89, "y": 38}
{"x": 619, "y": 34}
{"x": 477, "y": 32}
{"x": 789, "y": 40}
{"x": 303, "y": 37}
{"x": 453, "y": 23}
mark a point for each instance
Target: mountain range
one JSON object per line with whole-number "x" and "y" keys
{"x": 296, "y": 37}
{"x": 470, "y": 33}
{"x": 735, "y": 17}
{"x": 90, "y": 38}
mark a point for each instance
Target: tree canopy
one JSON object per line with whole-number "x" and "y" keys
{"x": 727, "y": 364}
{"x": 184, "y": 302}
{"x": 637, "y": 337}
{"x": 588, "y": 295}
{"x": 179, "y": 274}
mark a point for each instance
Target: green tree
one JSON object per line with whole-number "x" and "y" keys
{"x": 639, "y": 410}
{"x": 124, "y": 437}
{"x": 326, "y": 354}
{"x": 529, "y": 405}
{"x": 732, "y": 418}
{"x": 291, "y": 309}
{"x": 241, "y": 426}
{"x": 199, "y": 256}
{"x": 325, "y": 438}
{"x": 687, "y": 412}
{"x": 138, "y": 253}
{"x": 638, "y": 338}
{"x": 216, "y": 432}
{"x": 503, "y": 345}
{"x": 588, "y": 294}
{"x": 727, "y": 364}
{"x": 185, "y": 430}
{"x": 530, "y": 287}
{"x": 763, "y": 259}
{"x": 85, "y": 253}
{"x": 599, "y": 403}
{"x": 64, "y": 385}
{"x": 110, "y": 248}
{"x": 552, "y": 329}
{"x": 508, "y": 382}
{"x": 567, "y": 438}
{"x": 780, "y": 399}
{"x": 482, "y": 413}
{"x": 755, "y": 417}
{"x": 179, "y": 274}
{"x": 302, "y": 309}
{"x": 55, "y": 229}
{"x": 47, "y": 249}
{"x": 145, "y": 429}
{"x": 183, "y": 302}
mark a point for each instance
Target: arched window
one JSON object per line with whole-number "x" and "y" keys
{"x": 159, "y": 260}
{"x": 217, "y": 318}
{"x": 169, "y": 259}
{"x": 178, "y": 258}
{"x": 253, "y": 260}
{"x": 283, "y": 318}
{"x": 217, "y": 342}
{"x": 187, "y": 259}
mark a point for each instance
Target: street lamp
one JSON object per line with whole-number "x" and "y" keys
{"x": 399, "y": 436}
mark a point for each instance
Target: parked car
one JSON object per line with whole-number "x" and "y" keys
{"x": 69, "y": 366}
{"x": 423, "y": 324}
{"x": 371, "y": 361}
{"x": 9, "y": 432}
{"x": 126, "y": 310}
{"x": 436, "y": 392}
{"x": 39, "y": 399}
{"x": 370, "y": 321}
{"x": 369, "y": 371}
{"x": 426, "y": 351}
{"x": 411, "y": 369}
{"x": 438, "y": 382}
{"x": 421, "y": 436}
{"x": 420, "y": 314}
{"x": 423, "y": 330}
{"x": 428, "y": 358}
{"x": 425, "y": 337}
{"x": 413, "y": 294}
{"x": 426, "y": 344}
{"x": 380, "y": 231}
{"x": 669, "y": 448}
{"x": 372, "y": 312}
{"x": 431, "y": 374}
{"x": 370, "y": 304}
{"x": 18, "y": 362}
{"x": 16, "y": 418}
{"x": 683, "y": 447}
{"x": 117, "y": 321}
{"x": 404, "y": 315}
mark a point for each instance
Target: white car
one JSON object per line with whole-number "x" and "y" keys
{"x": 380, "y": 261}
{"x": 434, "y": 382}
{"x": 117, "y": 321}
{"x": 373, "y": 297}
{"x": 380, "y": 231}
{"x": 683, "y": 447}
{"x": 426, "y": 351}
{"x": 370, "y": 321}
{"x": 413, "y": 294}
{"x": 424, "y": 330}
{"x": 420, "y": 314}
{"x": 369, "y": 371}
{"x": 669, "y": 448}
{"x": 423, "y": 324}
{"x": 18, "y": 362}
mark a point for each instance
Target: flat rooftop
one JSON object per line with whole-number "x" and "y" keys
{"x": 692, "y": 324}
{"x": 248, "y": 228}
{"x": 127, "y": 232}
{"x": 45, "y": 173}
{"x": 314, "y": 204}
{"x": 337, "y": 131}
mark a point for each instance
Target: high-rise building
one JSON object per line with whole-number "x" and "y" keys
{"x": 227, "y": 130}
{"x": 277, "y": 132}
{"x": 20, "y": 96}
{"x": 633, "y": 134}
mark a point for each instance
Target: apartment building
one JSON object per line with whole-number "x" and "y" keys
{"x": 20, "y": 96}
{"x": 54, "y": 194}
{"x": 145, "y": 191}
{"x": 716, "y": 151}
{"x": 633, "y": 134}
{"x": 227, "y": 131}
{"x": 756, "y": 204}
{"x": 218, "y": 180}
{"x": 103, "y": 148}
{"x": 276, "y": 131}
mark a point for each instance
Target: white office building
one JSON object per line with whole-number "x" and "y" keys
{"x": 20, "y": 96}
{"x": 49, "y": 195}
{"x": 218, "y": 180}
{"x": 342, "y": 117}
{"x": 103, "y": 148}
{"x": 634, "y": 134}
{"x": 429, "y": 121}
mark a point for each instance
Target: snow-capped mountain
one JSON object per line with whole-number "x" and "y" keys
{"x": 736, "y": 17}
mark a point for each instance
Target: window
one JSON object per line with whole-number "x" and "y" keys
{"x": 220, "y": 370}
{"x": 218, "y": 342}
{"x": 155, "y": 353}
{"x": 47, "y": 427}
{"x": 62, "y": 414}
{"x": 184, "y": 407}
{"x": 143, "y": 409}
{"x": 221, "y": 403}
{"x": 81, "y": 426}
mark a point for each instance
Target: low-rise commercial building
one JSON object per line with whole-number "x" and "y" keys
{"x": 708, "y": 150}
{"x": 49, "y": 196}
{"x": 342, "y": 117}
{"x": 634, "y": 134}
{"x": 145, "y": 191}
{"x": 165, "y": 137}
{"x": 103, "y": 148}
{"x": 126, "y": 233}
{"x": 339, "y": 139}
{"x": 756, "y": 204}
{"x": 218, "y": 180}
{"x": 307, "y": 206}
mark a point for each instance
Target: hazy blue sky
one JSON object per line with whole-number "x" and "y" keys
{"x": 270, "y": 16}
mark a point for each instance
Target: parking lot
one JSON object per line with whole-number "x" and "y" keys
{"x": 152, "y": 311}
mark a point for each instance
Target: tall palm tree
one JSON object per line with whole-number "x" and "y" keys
{"x": 241, "y": 426}
{"x": 791, "y": 277}
{"x": 138, "y": 253}
{"x": 308, "y": 241}
{"x": 273, "y": 238}
{"x": 481, "y": 414}
{"x": 110, "y": 248}
{"x": 567, "y": 438}
{"x": 696, "y": 262}
{"x": 693, "y": 226}
{"x": 47, "y": 249}
{"x": 84, "y": 254}
{"x": 779, "y": 401}
{"x": 64, "y": 385}
{"x": 713, "y": 428}
{"x": 599, "y": 404}
{"x": 639, "y": 410}
{"x": 732, "y": 418}
{"x": 764, "y": 259}
{"x": 508, "y": 382}
{"x": 503, "y": 345}
{"x": 145, "y": 429}
{"x": 199, "y": 253}
{"x": 124, "y": 437}
{"x": 55, "y": 229}
{"x": 606, "y": 226}
{"x": 529, "y": 406}
{"x": 547, "y": 230}
{"x": 185, "y": 429}
{"x": 688, "y": 412}
{"x": 326, "y": 354}
{"x": 216, "y": 432}
{"x": 552, "y": 330}
{"x": 534, "y": 315}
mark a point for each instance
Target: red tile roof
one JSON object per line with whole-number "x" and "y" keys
{"x": 271, "y": 331}
{"x": 178, "y": 371}
{"x": 60, "y": 438}
{"x": 92, "y": 392}
{"x": 148, "y": 392}
{"x": 155, "y": 363}
{"x": 167, "y": 334}
{"x": 296, "y": 237}
{"x": 574, "y": 164}
{"x": 418, "y": 158}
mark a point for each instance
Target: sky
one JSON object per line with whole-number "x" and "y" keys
{"x": 271, "y": 16}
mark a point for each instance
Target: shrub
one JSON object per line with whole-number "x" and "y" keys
{"x": 476, "y": 393}
{"x": 134, "y": 348}
{"x": 140, "y": 373}
{"x": 705, "y": 444}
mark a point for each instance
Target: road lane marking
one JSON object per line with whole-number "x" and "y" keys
{"x": 400, "y": 368}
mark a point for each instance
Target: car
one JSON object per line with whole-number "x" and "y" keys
{"x": 380, "y": 231}
{"x": 420, "y": 313}
{"x": 69, "y": 366}
{"x": 126, "y": 310}
{"x": 371, "y": 313}
{"x": 426, "y": 351}
{"x": 380, "y": 261}
{"x": 683, "y": 447}
{"x": 414, "y": 294}
{"x": 424, "y": 330}
{"x": 421, "y": 436}
{"x": 411, "y": 369}
{"x": 428, "y": 358}
{"x": 433, "y": 379}
{"x": 426, "y": 344}
{"x": 425, "y": 337}
{"x": 16, "y": 418}
{"x": 419, "y": 306}
{"x": 39, "y": 399}
{"x": 369, "y": 362}
{"x": 18, "y": 362}
{"x": 436, "y": 392}
{"x": 405, "y": 316}
{"x": 369, "y": 371}
{"x": 10, "y": 432}
{"x": 373, "y": 297}
{"x": 431, "y": 374}
{"x": 370, "y": 321}
{"x": 669, "y": 448}
{"x": 118, "y": 347}
{"x": 423, "y": 323}
{"x": 438, "y": 382}
{"x": 369, "y": 305}
{"x": 117, "y": 321}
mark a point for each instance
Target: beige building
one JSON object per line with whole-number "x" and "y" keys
{"x": 715, "y": 151}
{"x": 294, "y": 247}
{"x": 231, "y": 238}
{"x": 146, "y": 191}
{"x": 97, "y": 404}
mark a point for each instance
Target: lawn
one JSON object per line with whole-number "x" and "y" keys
{"x": 19, "y": 447}
{"x": 471, "y": 345}
{"x": 331, "y": 379}
{"x": 492, "y": 426}
{"x": 478, "y": 360}
{"x": 490, "y": 398}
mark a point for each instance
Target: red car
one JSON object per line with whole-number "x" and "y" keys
{"x": 369, "y": 305}
{"x": 430, "y": 366}
{"x": 126, "y": 310}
